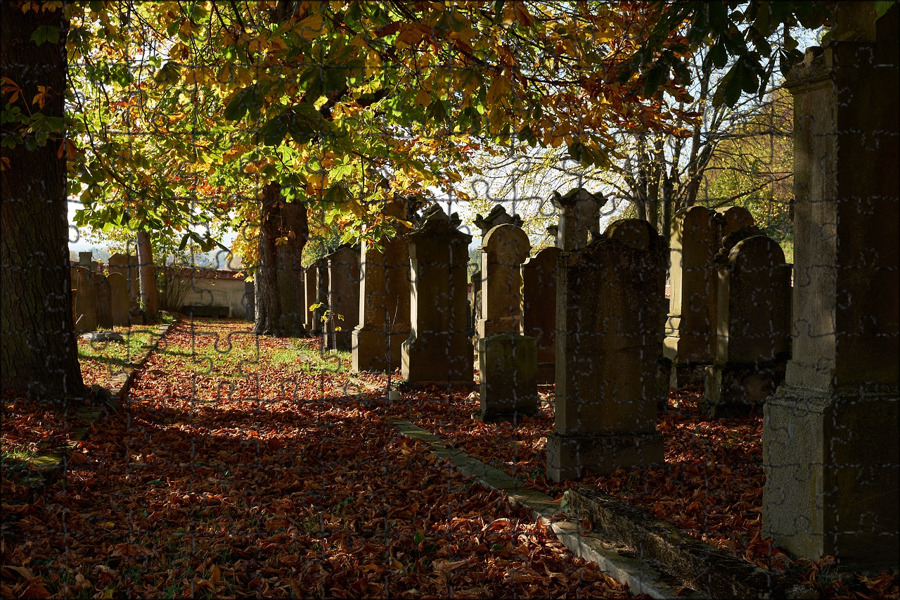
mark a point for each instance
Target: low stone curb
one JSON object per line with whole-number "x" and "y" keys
{"x": 614, "y": 558}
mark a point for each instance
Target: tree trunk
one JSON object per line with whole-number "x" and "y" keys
{"x": 147, "y": 275}
{"x": 39, "y": 351}
{"x": 279, "y": 302}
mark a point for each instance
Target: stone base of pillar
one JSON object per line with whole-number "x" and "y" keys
{"x": 831, "y": 462}
{"x": 508, "y": 365}
{"x": 438, "y": 358}
{"x": 688, "y": 375}
{"x": 372, "y": 351}
{"x": 568, "y": 456}
{"x": 739, "y": 390}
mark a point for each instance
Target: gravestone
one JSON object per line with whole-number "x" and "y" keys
{"x": 608, "y": 344}
{"x": 497, "y": 216}
{"x": 507, "y": 359}
{"x": 503, "y": 251}
{"x": 553, "y": 232}
{"x": 438, "y": 350}
{"x": 539, "y": 304}
{"x": 693, "y": 279}
{"x": 84, "y": 300}
{"x": 754, "y": 327}
{"x": 104, "y": 307}
{"x": 579, "y": 215}
{"x": 343, "y": 297}
{"x": 119, "y": 301}
{"x": 830, "y": 446}
{"x": 310, "y": 289}
{"x": 85, "y": 259}
{"x": 384, "y": 304}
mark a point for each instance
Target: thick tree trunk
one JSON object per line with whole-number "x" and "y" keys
{"x": 279, "y": 303}
{"x": 147, "y": 275}
{"x": 39, "y": 351}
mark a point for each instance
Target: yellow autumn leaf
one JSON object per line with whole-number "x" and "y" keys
{"x": 311, "y": 27}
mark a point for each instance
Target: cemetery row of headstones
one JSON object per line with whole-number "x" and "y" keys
{"x": 100, "y": 300}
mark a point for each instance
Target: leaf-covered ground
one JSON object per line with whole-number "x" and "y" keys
{"x": 240, "y": 467}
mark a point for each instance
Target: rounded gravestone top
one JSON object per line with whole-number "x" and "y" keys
{"x": 635, "y": 233}
{"x": 506, "y": 236}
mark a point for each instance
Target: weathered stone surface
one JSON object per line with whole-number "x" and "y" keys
{"x": 830, "y": 444}
{"x": 84, "y": 300}
{"x": 104, "y": 308}
{"x": 343, "y": 297}
{"x": 579, "y": 216}
{"x": 754, "y": 327}
{"x": 539, "y": 303}
{"x": 438, "y": 349}
{"x": 693, "y": 280}
{"x": 504, "y": 250}
{"x": 119, "y": 301}
{"x": 508, "y": 365}
{"x": 608, "y": 344}
{"x": 497, "y": 216}
{"x": 384, "y": 307}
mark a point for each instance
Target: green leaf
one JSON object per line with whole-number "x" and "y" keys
{"x": 882, "y": 7}
{"x": 45, "y": 33}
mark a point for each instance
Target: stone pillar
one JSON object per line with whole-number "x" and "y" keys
{"x": 539, "y": 303}
{"x": 830, "y": 443}
{"x": 608, "y": 344}
{"x": 579, "y": 215}
{"x": 383, "y": 307}
{"x": 693, "y": 279}
{"x": 507, "y": 359}
{"x": 119, "y": 300}
{"x": 84, "y": 300}
{"x": 438, "y": 350}
{"x": 754, "y": 327}
{"x": 343, "y": 297}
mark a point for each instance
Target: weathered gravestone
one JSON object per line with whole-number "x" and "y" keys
{"x": 830, "y": 445}
{"x": 119, "y": 301}
{"x": 754, "y": 327}
{"x": 497, "y": 216}
{"x": 506, "y": 358}
{"x": 693, "y": 280}
{"x": 384, "y": 303}
{"x": 609, "y": 338}
{"x": 343, "y": 297}
{"x": 84, "y": 300}
{"x": 104, "y": 307}
{"x": 539, "y": 309}
{"x": 438, "y": 350}
{"x": 579, "y": 217}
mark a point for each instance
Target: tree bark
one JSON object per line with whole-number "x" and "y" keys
{"x": 147, "y": 275}
{"x": 39, "y": 350}
{"x": 278, "y": 289}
